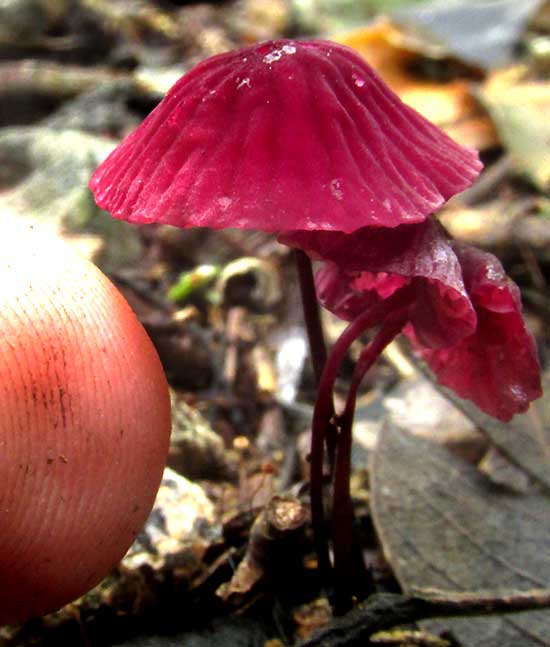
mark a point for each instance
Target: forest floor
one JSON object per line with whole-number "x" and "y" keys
{"x": 445, "y": 498}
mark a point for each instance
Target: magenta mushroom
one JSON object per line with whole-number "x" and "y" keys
{"x": 496, "y": 367}
{"x": 284, "y": 136}
{"x": 303, "y": 139}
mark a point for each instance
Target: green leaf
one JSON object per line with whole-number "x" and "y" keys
{"x": 193, "y": 281}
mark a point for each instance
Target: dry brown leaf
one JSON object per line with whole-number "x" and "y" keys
{"x": 443, "y": 525}
{"x": 393, "y": 54}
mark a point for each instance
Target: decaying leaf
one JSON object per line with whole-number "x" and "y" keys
{"x": 444, "y": 525}
{"x": 525, "y": 441}
{"x": 408, "y": 638}
{"x": 44, "y": 172}
{"x": 196, "y": 450}
{"x": 501, "y": 223}
{"x": 415, "y": 404}
{"x": 312, "y": 616}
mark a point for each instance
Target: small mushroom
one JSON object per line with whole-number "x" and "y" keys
{"x": 84, "y": 425}
{"x": 464, "y": 317}
{"x": 287, "y": 136}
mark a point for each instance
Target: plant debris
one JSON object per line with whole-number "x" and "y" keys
{"x": 445, "y": 497}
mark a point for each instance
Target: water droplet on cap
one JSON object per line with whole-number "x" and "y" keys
{"x": 336, "y": 188}
{"x": 277, "y": 54}
{"x": 225, "y": 202}
{"x": 243, "y": 82}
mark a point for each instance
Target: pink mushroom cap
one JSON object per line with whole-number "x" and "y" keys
{"x": 283, "y": 135}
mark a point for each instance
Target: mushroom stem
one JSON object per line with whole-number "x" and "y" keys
{"x": 317, "y": 344}
{"x": 345, "y": 566}
{"x": 316, "y": 337}
{"x": 323, "y": 413}
{"x": 321, "y": 434}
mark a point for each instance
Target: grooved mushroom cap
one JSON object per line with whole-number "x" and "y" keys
{"x": 284, "y": 135}
{"x": 84, "y": 425}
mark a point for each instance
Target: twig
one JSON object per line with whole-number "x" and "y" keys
{"x": 52, "y": 79}
{"x": 273, "y": 548}
{"x": 383, "y": 611}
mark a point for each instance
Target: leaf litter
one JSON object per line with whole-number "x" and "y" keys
{"x": 496, "y": 539}
{"x": 444, "y": 525}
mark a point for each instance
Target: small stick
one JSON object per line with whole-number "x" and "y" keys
{"x": 384, "y": 611}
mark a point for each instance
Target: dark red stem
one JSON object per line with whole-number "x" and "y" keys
{"x": 312, "y": 317}
{"x": 323, "y": 412}
{"x": 342, "y": 507}
{"x": 327, "y": 433}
